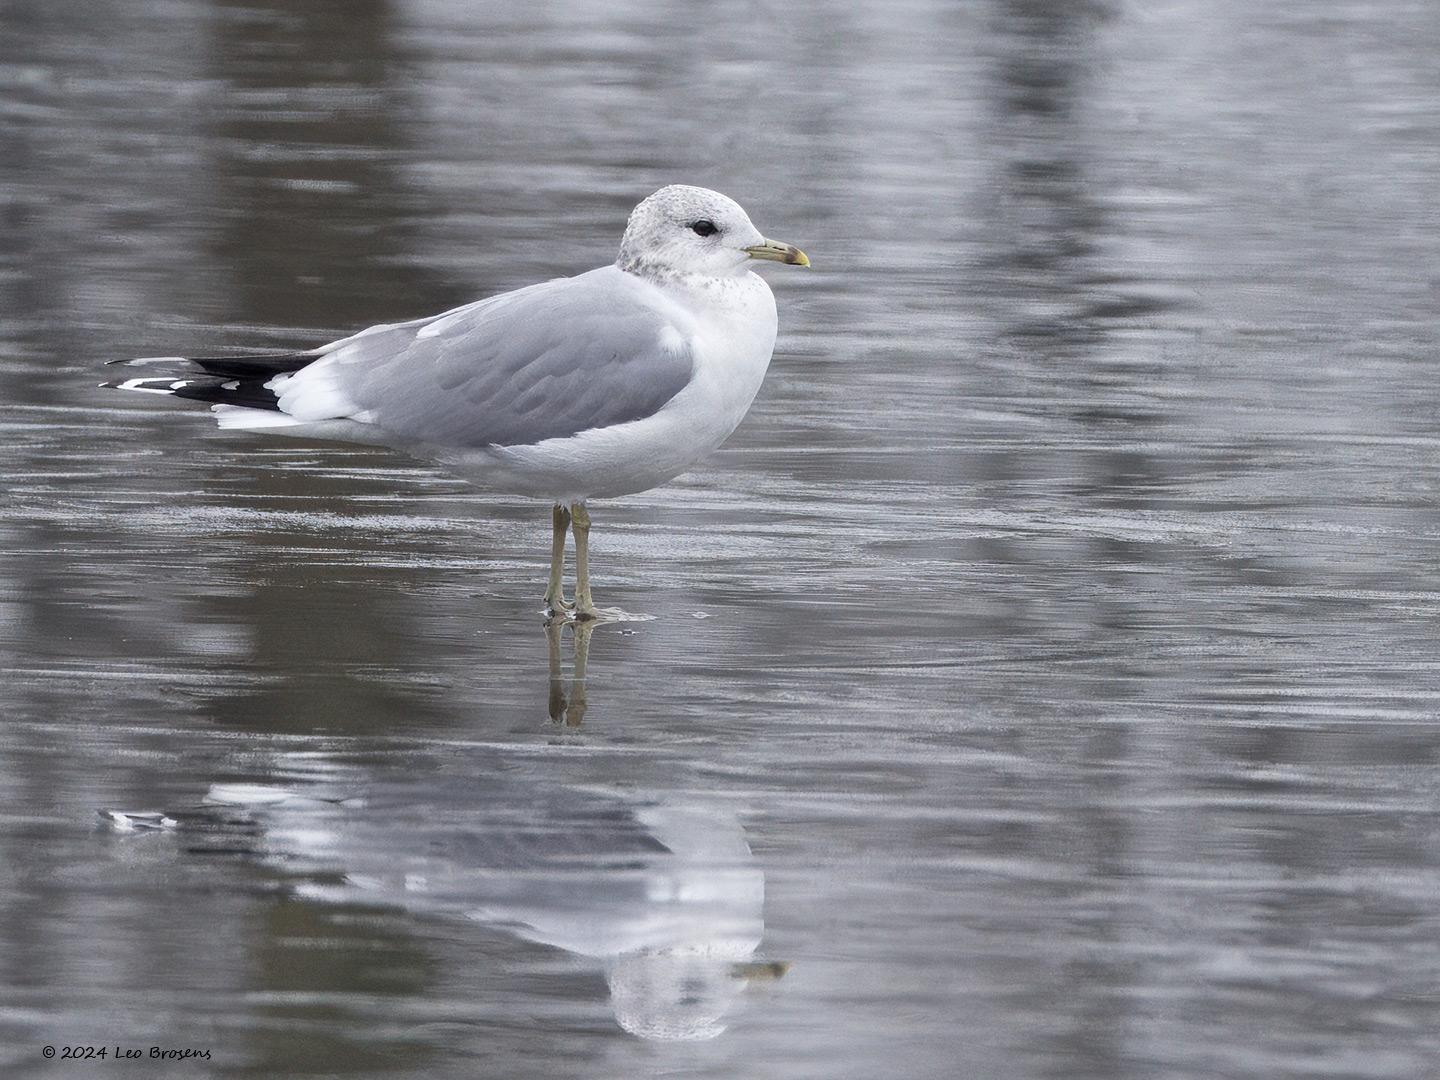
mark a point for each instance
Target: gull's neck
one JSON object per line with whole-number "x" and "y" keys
{"x": 659, "y": 272}
{"x": 708, "y": 288}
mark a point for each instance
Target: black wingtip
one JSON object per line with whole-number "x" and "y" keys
{"x": 249, "y": 393}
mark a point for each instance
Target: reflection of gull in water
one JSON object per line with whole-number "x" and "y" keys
{"x": 665, "y": 895}
{"x": 670, "y": 926}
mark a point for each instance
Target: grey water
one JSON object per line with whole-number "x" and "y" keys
{"x": 1043, "y": 682}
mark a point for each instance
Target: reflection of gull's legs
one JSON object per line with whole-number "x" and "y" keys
{"x": 555, "y": 594}
{"x": 571, "y": 713}
{"x": 578, "y": 702}
{"x": 580, "y": 522}
{"x": 553, "y": 629}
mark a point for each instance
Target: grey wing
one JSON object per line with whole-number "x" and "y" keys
{"x": 541, "y": 363}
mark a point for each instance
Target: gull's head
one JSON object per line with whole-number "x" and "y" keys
{"x": 682, "y": 230}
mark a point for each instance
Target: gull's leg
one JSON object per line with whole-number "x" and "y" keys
{"x": 580, "y": 523}
{"x": 555, "y": 601}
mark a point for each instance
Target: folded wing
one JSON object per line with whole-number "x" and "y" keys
{"x": 544, "y": 362}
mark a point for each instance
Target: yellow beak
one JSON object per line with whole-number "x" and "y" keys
{"x": 774, "y": 251}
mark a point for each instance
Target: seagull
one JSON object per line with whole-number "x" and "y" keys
{"x": 604, "y": 384}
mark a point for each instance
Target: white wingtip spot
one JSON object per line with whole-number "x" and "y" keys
{"x": 179, "y": 384}
{"x": 140, "y": 384}
{"x": 233, "y": 384}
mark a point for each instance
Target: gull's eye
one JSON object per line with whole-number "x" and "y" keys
{"x": 704, "y": 227}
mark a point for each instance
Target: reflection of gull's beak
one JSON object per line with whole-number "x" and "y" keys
{"x": 774, "y": 251}
{"x": 766, "y": 972}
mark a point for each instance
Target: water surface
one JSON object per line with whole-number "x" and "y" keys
{"x": 1041, "y": 683}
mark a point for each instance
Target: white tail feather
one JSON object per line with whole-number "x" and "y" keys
{"x": 240, "y": 418}
{"x": 314, "y": 392}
